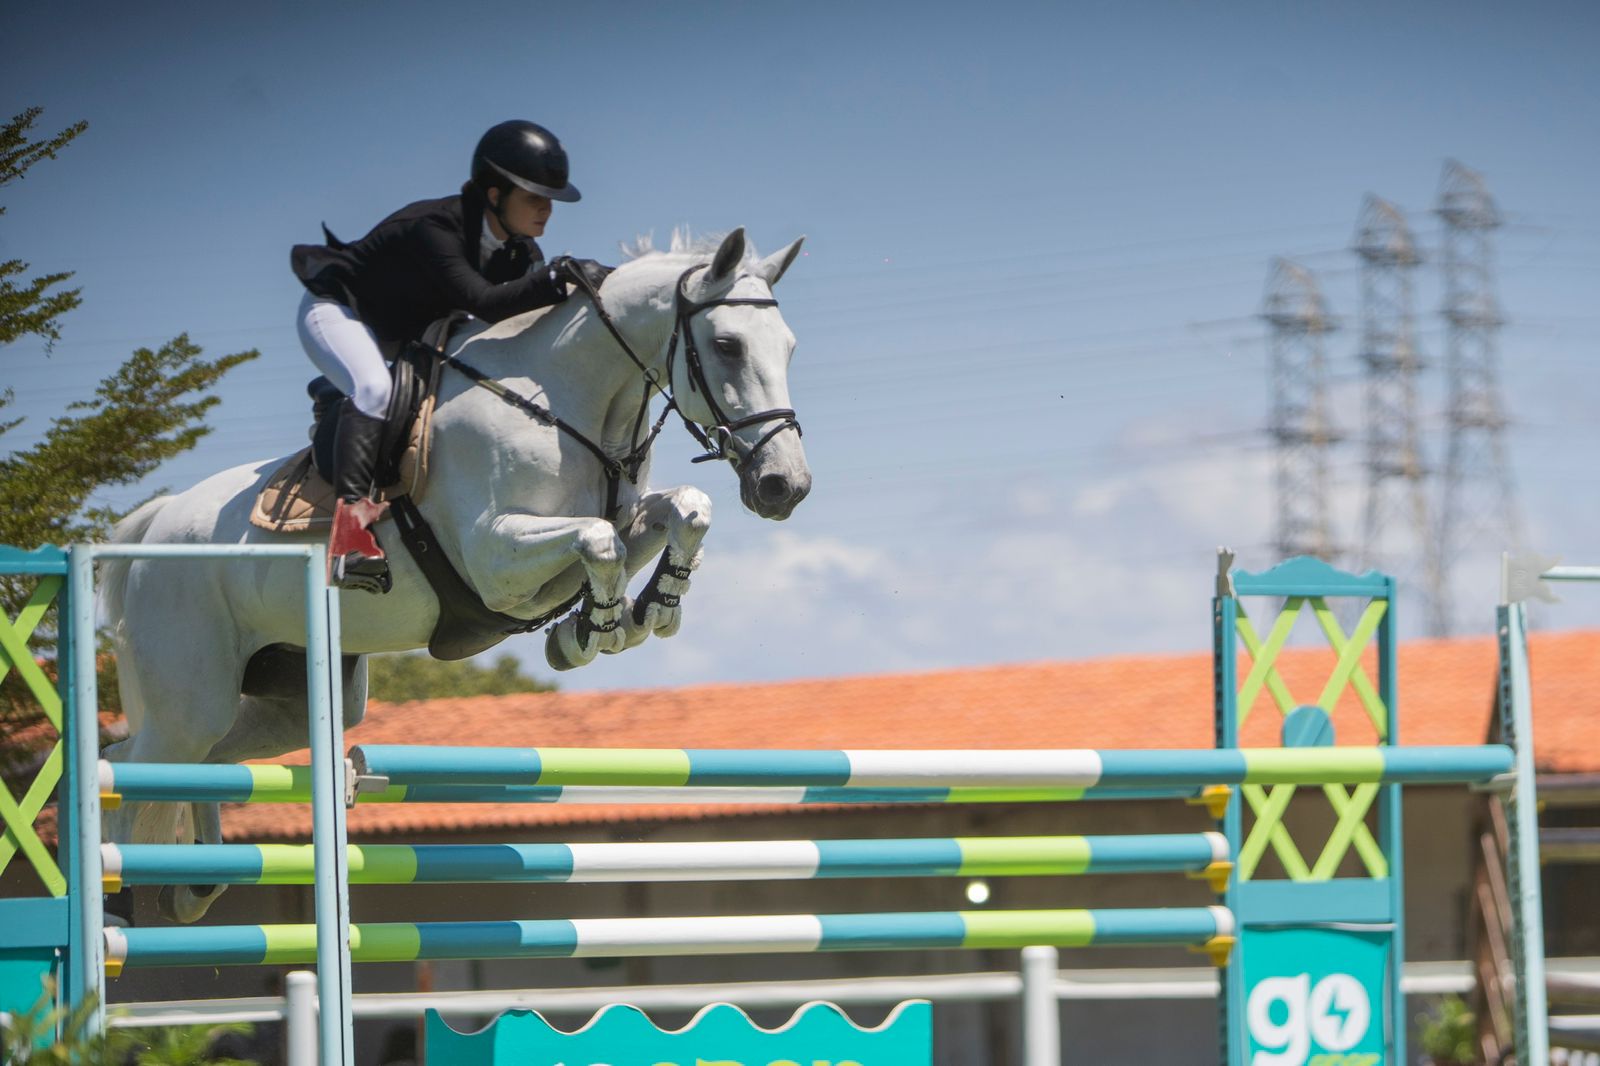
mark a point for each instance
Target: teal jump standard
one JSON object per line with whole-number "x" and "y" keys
{"x": 1066, "y": 768}
{"x": 250, "y": 945}
{"x": 292, "y": 864}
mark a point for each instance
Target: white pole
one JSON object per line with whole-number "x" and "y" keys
{"x": 325, "y": 702}
{"x": 1531, "y": 1019}
{"x": 1041, "y": 1014}
{"x": 300, "y": 1018}
{"x": 86, "y": 956}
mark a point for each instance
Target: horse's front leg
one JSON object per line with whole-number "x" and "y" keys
{"x": 672, "y": 522}
{"x": 525, "y": 553}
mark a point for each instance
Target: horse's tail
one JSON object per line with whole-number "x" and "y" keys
{"x": 114, "y": 572}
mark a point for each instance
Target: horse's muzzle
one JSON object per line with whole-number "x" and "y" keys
{"x": 774, "y": 495}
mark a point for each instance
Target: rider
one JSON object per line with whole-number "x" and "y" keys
{"x": 365, "y": 300}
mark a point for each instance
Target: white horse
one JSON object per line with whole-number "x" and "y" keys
{"x": 210, "y": 653}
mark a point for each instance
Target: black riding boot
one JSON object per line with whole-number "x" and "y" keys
{"x": 355, "y": 561}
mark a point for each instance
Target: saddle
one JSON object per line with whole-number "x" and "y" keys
{"x": 298, "y": 497}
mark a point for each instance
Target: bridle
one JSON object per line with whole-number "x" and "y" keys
{"x": 720, "y": 443}
{"x": 727, "y": 445}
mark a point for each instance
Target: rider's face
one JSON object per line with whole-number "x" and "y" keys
{"x": 524, "y": 213}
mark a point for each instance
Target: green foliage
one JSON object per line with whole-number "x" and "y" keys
{"x": 181, "y": 1045}
{"x": 1449, "y": 1033}
{"x": 31, "y": 1039}
{"x": 398, "y": 678}
{"x": 30, "y": 308}
{"x": 148, "y": 410}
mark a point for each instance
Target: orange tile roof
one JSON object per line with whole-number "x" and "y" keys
{"x": 1446, "y": 691}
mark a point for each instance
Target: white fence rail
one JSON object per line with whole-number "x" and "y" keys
{"x": 1041, "y": 986}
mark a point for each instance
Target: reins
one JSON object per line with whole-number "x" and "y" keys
{"x": 727, "y": 445}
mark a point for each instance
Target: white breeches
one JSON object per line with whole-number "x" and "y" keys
{"x": 343, "y": 348}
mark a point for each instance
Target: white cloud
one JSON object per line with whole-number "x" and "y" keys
{"x": 1098, "y": 499}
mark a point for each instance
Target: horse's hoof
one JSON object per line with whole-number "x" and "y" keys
{"x": 611, "y": 642}
{"x": 668, "y": 621}
{"x": 633, "y": 632}
{"x": 185, "y": 903}
{"x": 561, "y": 648}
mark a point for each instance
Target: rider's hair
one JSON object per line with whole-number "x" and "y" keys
{"x": 469, "y": 186}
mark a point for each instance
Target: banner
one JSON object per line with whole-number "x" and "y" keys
{"x": 819, "y": 1034}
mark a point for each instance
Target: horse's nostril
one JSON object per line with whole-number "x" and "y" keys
{"x": 773, "y": 488}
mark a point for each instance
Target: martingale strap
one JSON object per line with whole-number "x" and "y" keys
{"x": 613, "y": 468}
{"x": 466, "y": 624}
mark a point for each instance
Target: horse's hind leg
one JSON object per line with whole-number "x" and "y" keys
{"x": 672, "y": 522}
{"x": 273, "y": 716}
{"x": 186, "y": 903}
{"x": 185, "y": 673}
{"x": 266, "y": 726}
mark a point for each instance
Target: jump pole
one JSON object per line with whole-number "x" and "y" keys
{"x": 1062, "y": 768}
{"x": 1203, "y": 928}
{"x": 1199, "y": 854}
{"x": 272, "y": 783}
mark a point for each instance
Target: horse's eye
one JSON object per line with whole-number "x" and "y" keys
{"x": 732, "y": 347}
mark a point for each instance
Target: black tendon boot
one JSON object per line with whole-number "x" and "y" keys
{"x": 354, "y": 559}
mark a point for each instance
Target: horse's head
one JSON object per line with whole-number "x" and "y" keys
{"x": 731, "y": 373}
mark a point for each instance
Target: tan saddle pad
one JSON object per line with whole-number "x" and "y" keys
{"x": 296, "y": 498}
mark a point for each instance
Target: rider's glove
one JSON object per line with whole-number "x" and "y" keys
{"x": 585, "y": 273}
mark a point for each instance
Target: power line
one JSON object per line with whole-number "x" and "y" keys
{"x": 1479, "y": 508}
{"x": 1395, "y": 520}
{"x": 1302, "y": 432}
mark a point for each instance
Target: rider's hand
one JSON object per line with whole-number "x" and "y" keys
{"x": 585, "y": 273}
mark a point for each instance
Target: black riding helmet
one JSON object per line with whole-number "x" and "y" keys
{"x": 525, "y": 154}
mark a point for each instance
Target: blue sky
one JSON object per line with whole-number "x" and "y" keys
{"x": 1032, "y": 386}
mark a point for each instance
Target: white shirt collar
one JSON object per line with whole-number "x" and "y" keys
{"x": 488, "y": 243}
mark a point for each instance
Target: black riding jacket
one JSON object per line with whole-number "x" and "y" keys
{"x": 420, "y": 264}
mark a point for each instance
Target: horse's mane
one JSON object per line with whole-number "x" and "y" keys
{"x": 683, "y": 245}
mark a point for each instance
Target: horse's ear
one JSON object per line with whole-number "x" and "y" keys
{"x": 729, "y": 256}
{"x": 772, "y": 267}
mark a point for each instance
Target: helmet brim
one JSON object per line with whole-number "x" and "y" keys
{"x": 567, "y": 193}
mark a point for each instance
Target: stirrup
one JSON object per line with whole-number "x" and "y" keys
{"x": 355, "y": 560}
{"x": 361, "y": 573}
